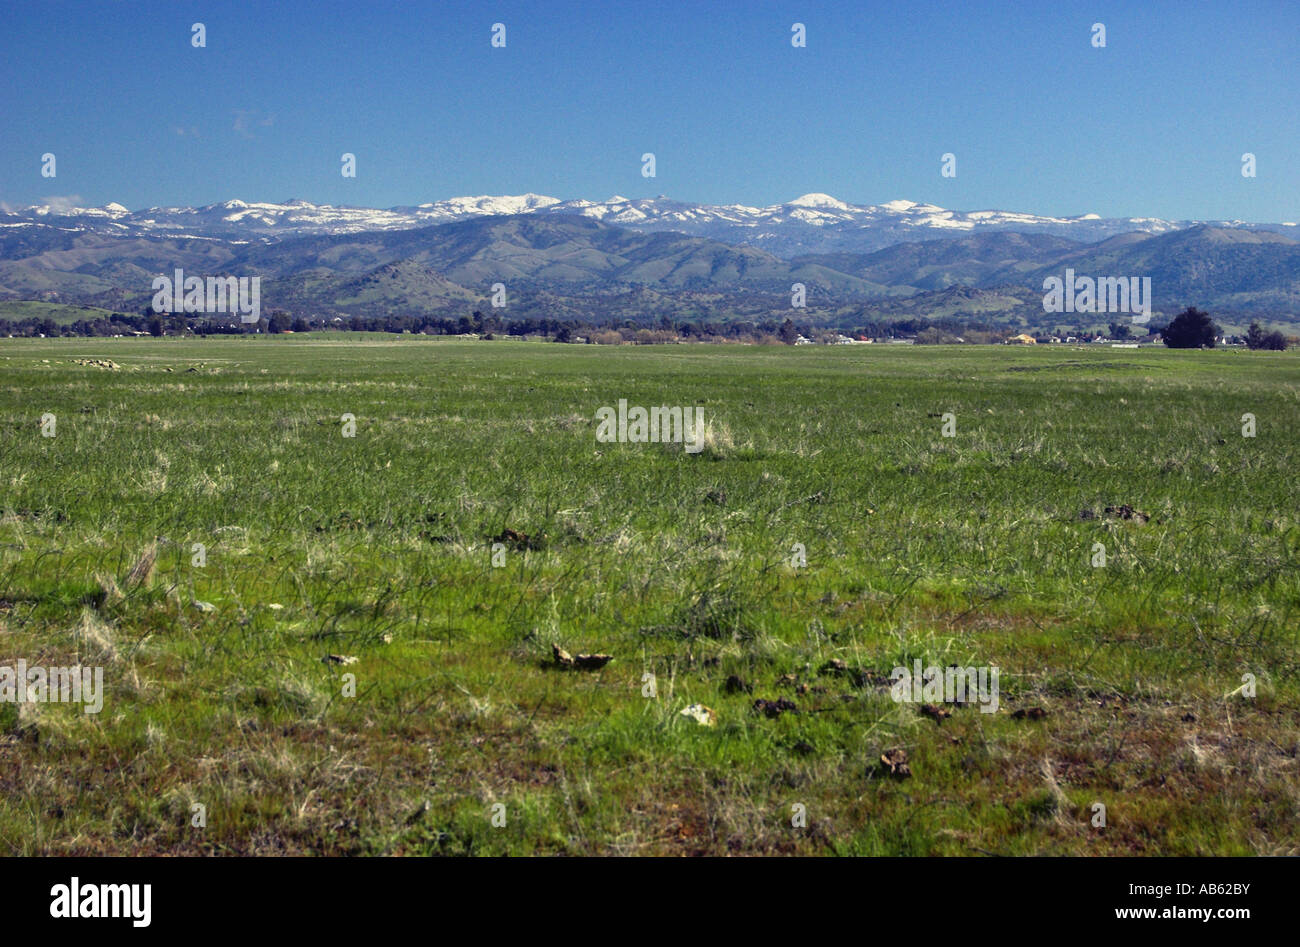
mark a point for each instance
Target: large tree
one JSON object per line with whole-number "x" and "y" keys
{"x": 1191, "y": 329}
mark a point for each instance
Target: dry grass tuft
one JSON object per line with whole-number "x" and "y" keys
{"x": 142, "y": 572}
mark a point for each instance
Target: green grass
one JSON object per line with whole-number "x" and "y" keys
{"x": 966, "y": 550}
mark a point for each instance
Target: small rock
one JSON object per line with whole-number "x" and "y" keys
{"x": 344, "y": 659}
{"x": 702, "y": 715}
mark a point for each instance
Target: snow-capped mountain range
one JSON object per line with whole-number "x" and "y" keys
{"x": 813, "y": 223}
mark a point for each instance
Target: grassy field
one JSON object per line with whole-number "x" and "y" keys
{"x": 1120, "y": 684}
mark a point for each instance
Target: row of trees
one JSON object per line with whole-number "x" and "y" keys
{"x": 1192, "y": 328}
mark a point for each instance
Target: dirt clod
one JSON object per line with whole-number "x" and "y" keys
{"x": 774, "y": 708}
{"x": 895, "y": 764}
{"x": 1033, "y": 713}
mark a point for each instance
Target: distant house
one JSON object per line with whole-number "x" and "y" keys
{"x": 801, "y": 340}
{"x": 1022, "y": 339}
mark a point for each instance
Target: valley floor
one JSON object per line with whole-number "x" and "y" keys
{"x": 324, "y": 580}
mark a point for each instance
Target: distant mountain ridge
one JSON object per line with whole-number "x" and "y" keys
{"x": 561, "y": 263}
{"x": 812, "y": 223}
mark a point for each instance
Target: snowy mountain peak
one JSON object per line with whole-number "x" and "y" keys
{"x": 483, "y": 204}
{"x": 816, "y": 199}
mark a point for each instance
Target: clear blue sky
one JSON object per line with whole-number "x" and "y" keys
{"x": 1153, "y": 125}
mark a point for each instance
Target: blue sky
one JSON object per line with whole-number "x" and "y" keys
{"x": 1040, "y": 121}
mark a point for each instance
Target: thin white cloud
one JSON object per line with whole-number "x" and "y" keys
{"x": 245, "y": 119}
{"x": 62, "y": 204}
